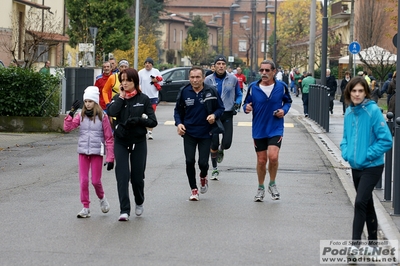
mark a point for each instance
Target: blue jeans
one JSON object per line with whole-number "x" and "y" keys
{"x": 304, "y": 97}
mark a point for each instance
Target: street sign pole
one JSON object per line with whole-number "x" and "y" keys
{"x": 354, "y": 48}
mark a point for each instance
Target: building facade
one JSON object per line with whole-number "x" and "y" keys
{"x": 236, "y": 21}
{"x": 32, "y": 32}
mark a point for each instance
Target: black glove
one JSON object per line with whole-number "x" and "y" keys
{"x": 75, "y": 106}
{"x": 133, "y": 121}
{"x": 110, "y": 165}
{"x": 236, "y": 106}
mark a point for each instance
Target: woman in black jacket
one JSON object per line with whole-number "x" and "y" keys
{"x": 134, "y": 113}
{"x": 343, "y": 85}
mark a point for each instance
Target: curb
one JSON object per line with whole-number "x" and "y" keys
{"x": 387, "y": 229}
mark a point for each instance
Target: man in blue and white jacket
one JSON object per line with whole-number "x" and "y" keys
{"x": 228, "y": 88}
{"x": 269, "y": 100}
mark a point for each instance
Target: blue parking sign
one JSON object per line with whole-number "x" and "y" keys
{"x": 354, "y": 47}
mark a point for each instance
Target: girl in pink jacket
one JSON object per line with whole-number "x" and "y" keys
{"x": 95, "y": 140}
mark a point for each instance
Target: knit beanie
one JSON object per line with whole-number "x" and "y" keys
{"x": 220, "y": 58}
{"x": 149, "y": 60}
{"x": 91, "y": 93}
{"x": 123, "y": 62}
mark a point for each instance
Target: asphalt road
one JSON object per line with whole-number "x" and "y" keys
{"x": 39, "y": 200}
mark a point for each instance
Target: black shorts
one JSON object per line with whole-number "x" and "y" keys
{"x": 262, "y": 144}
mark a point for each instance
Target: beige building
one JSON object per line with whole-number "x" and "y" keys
{"x": 32, "y": 31}
{"x": 174, "y": 32}
{"x": 232, "y": 36}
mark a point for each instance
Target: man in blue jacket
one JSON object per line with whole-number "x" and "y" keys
{"x": 269, "y": 100}
{"x": 228, "y": 88}
{"x": 197, "y": 109}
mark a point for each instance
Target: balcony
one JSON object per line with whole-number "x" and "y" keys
{"x": 341, "y": 10}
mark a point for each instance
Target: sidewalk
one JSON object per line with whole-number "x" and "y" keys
{"x": 330, "y": 143}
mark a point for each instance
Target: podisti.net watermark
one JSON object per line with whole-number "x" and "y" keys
{"x": 341, "y": 251}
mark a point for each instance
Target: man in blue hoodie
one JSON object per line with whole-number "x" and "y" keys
{"x": 269, "y": 100}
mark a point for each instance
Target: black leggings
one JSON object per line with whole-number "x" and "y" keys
{"x": 190, "y": 143}
{"x": 364, "y": 211}
{"x": 227, "y": 121}
{"x": 136, "y": 157}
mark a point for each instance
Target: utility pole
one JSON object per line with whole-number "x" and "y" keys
{"x": 311, "y": 52}
{"x": 324, "y": 42}
{"x": 253, "y": 36}
{"x": 275, "y": 40}
{"x": 352, "y": 38}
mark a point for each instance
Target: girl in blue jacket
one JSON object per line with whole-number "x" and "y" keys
{"x": 366, "y": 138}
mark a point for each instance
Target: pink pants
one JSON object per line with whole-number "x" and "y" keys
{"x": 95, "y": 164}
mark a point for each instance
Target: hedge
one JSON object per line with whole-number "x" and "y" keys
{"x": 24, "y": 92}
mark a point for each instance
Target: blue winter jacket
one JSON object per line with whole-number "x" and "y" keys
{"x": 366, "y": 136}
{"x": 265, "y": 124}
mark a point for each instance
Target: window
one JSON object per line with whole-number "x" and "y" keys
{"x": 268, "y": 23}
{"x": 242, "y": 46}
{"x": 42, "y": 53}
{"x": 262, "y": 47}
{"x": 178, "y": 75}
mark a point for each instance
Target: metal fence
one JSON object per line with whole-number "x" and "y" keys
{"x": 392, "y": 169}
{"x": 318, "y": 105}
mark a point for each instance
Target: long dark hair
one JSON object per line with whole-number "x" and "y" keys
{"x": 131, "y": 75}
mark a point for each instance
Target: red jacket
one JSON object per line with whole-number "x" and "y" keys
{"x": 100, "y": 82}
{"x": 241, "y": 78}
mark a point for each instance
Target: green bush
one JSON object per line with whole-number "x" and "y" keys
{"x": 24, "y": 92}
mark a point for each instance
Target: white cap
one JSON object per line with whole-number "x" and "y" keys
{"x": 92, "y": 93}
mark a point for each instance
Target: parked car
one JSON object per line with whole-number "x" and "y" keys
{"x": 173, "y": 80}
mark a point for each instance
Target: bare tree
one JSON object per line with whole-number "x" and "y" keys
{"x": 370, "y": 25}
{"x": 34, "y": 38}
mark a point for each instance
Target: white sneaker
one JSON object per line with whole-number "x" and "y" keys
{"x": 139, "y": 210}
{"x": 353, "y": 255}
{"x": 84, "y": 213}
{"x": 195, "y": 195}
{"x": 214, "y": 175}
{"x": 260, "y": 195}
{"x": 150, "y": 135}
{"x": 204, "y": 185}
{"x": 123, "y": 217}
{"x": 274, "y": 192}
{"x": 104, "y": 205}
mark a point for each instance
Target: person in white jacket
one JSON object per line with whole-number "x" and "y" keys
{"x": 150, "y": 81}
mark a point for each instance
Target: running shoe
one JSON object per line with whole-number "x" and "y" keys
{"x": 215, "y": 174}
{"x": 274, "y": 192}
{"x": 104, "y": 205}
{"x": 220, "y": 155}
{"x": 195, "y": 195}
{"x": 123, "y": 217}
{"x": 204, "y": 185}
{"x": 139, "y": 210}
{"x": 84, "y": 213}
{"x": 260, "y": 195}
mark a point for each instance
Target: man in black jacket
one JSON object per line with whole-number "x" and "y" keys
{"x": 332, "y": 85}
{"x": 197, "y": 109}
